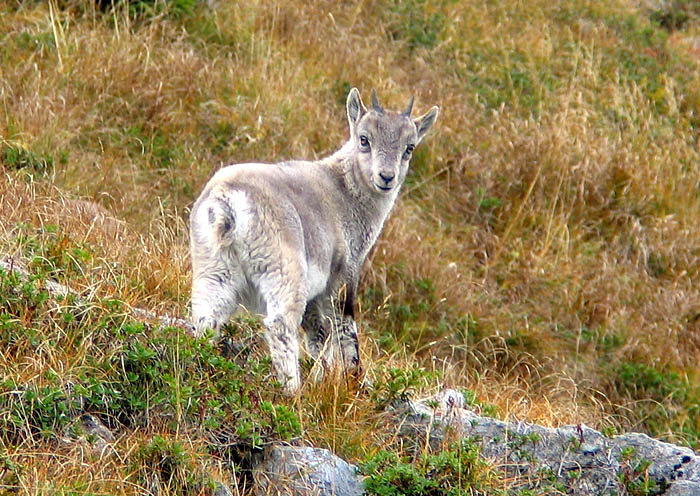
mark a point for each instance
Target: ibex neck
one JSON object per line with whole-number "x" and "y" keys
{"x": 367, "y": 209}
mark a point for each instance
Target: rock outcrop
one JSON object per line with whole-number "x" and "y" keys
{"x": 574, "y": 460}
{"x": 571, "y": 459}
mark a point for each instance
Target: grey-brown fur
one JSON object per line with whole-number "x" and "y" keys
{"x": 288, "y": 240}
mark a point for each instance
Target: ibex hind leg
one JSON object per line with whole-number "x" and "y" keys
{"x": 213, "y": 303}
{"x": 346, "y": 331}
{"x": 285, "y": 305}
{"x": 331, "y": 339}
{"x": 341, "y": 351}
{"x": 348, "y": 344}
{"x": 216, "y": 289}
{"x": 317, "y": 327}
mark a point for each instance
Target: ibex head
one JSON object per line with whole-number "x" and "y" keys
{"x": 385, "y": 140}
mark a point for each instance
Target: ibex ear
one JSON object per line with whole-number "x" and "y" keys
{"x": 425, "y": 121}
{"x": 356, "y": 108}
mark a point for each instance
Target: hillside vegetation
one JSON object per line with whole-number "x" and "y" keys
{"x": 543, "y": 256}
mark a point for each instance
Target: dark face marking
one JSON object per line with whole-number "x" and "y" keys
{"x": 212, "y": 216}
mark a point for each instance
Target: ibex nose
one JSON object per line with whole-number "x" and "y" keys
{"x": 386, "y": 177}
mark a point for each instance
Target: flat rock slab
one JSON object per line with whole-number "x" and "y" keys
{"x": 292, "y": 470}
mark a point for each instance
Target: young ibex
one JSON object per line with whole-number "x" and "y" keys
{"x": 288, "y": 240}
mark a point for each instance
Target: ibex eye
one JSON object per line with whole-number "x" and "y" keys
{"x": 364, "y": 141}
{"x": 410, "y": 148}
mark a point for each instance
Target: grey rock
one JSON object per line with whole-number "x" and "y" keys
{"x": 89, "y": 430}
{"x": 683, "y": 488}
{"x": 575, "y": 459}
{"x": 307, "y": 471}
{"x": 221, "y": 489}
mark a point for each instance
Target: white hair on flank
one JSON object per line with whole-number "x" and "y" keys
{"x": 288, "y": 240}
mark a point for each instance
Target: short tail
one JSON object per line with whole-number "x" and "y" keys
{"x": 222, "y": 220}
{"x": 215, "y": 220}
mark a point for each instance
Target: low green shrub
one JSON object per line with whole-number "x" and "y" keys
{"x": 454, "y": 471}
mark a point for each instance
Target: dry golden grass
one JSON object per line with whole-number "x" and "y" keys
{"x": 544, "y": 253}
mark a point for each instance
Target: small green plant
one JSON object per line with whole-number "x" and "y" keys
{"x": 471, "y": 400}
{"x": 547, "y": 480}
{"x": 398, "y": 384}
{"x": 455, "y": 471}
{"x": 30, "y": 411}
{"x": 416, "y": 22}
{"x": 675, "y": 14}
{"x": 634, "y": 474}
{"x": 9, "y": 473}
{"x": 609, "y": 430}
{"x": 20, "y": 299}
{"x": 673, "y": 404}
{"x": 146, "y": 9}
{"x": 53, "y": 253}
{"x": 521, "y": 444}
{"x": 574, "y": 443}
{"x": 153, "y": 144}
{"x": 639, "y": 379}
{"x": 166, "y": 462}
{"x": 487, "y": 203}
{"x": 605, "y": 340}
{"x": 16, "y": 157}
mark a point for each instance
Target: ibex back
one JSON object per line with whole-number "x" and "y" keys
{"x": 288, "y": 240}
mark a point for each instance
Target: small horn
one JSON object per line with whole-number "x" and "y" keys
{"x": 375, "y": 102}
{"x": 408, "y": 110}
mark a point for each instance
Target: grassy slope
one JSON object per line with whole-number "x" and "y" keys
{"x": 543, "y": 254}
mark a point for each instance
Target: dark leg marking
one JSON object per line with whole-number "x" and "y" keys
{"x": 349, "y": 304}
